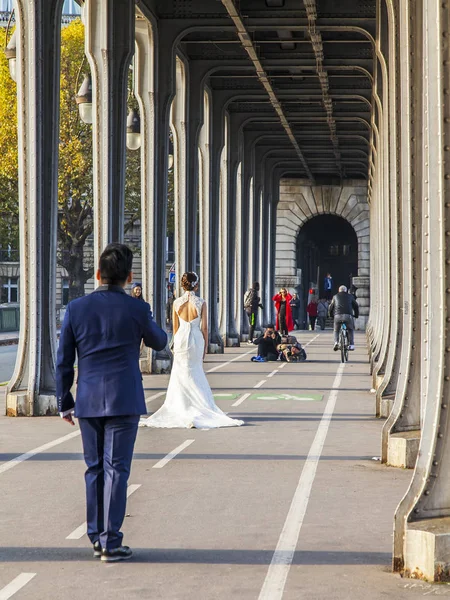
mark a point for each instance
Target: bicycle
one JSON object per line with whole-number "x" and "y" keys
{"x": 343, "y": 342}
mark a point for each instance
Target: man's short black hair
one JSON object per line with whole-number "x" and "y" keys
{"x": 115, "y": 264}
{"x": 270, "y": 326}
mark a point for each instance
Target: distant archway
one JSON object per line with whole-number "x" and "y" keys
{"x": 301, "y": 203}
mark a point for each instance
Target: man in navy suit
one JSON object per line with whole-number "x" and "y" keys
{"x": 104, "y": 330}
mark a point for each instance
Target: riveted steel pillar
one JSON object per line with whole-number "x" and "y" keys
{"x": 385, "y": 282}
{"x": 31, "y": 390}
{"x": 109, "y": 43}
{"x": 144, "y": 82}
{"x": 178, "y": 116}
{"x": 401, "y": 431}
{"x": 422, "y": 520}
{"x": 387, "y": 386}
{"x": 211, "y": 145}
{"x": 229, "y": 233}
{"x": 155, "y": 88}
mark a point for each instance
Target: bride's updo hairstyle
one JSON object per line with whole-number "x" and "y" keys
{"x": 189, "y": 281}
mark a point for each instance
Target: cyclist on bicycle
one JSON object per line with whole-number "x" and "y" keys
{"x": 342, "y": 308}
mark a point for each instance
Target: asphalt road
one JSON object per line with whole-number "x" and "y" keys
{"x": 7, "y": 361}
{"x": 290, "y": 506}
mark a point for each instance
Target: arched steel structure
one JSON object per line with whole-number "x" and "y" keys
{"x": 318, "y": 93}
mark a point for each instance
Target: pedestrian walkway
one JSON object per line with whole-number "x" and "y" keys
{"x": 290, "y": 506}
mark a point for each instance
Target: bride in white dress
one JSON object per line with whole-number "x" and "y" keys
{"x": 189, "y": 401}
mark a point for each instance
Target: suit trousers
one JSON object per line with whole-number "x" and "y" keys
{"x": 108, "y": 444}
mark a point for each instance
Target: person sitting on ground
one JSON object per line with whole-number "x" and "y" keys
{"x": 342, "y": 308}
{"x": 267, "y": 345}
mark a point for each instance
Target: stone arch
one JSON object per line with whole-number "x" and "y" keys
{"x": 298, "y": 203}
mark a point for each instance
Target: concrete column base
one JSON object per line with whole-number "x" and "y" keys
{"x": 386, "y": 405}
{"x": 403, "y": 448}
{"x": 215, "y": 349}
{"x": 232, "y": 342}
{"x": 244, "y": 337}
{"x": 145, "y": 364}
{"x": 18, "y": 404}
{"x": 427, "y": 550}
{"x": 161, "y": 362}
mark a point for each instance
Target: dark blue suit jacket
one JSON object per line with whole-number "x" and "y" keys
{"x": 105, "y": 330}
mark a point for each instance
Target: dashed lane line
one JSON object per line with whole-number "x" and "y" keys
{"x": 260, "y": 383}
{"x": 163, "y": 462}
{"x": 230, "y": 361}
{"x": 27, "y": 455}
{"x": 282, "y": 366}
{"x": 10, "y": 464}
{"x": 273, "y": 373}
{"x": 241, "y": 399}
{"x": 311, "y": 341}
{"x": 158, "y": 395}
{"x": 78, "y": 533}
{"x": 278, "y": 571}
{"x": 15, "y": 585}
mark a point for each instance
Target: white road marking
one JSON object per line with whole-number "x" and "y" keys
{"x": 78, "y": 533}
{"x": 23, "y": 457}
{"x": 311, "y": 341}
{"x": 277, "y": 573}
{"x": 230, "y": 361}
{"x": 15, "y": 585}
{"x": 223, "y": 395}
{"x": 282, "y": 366}
{"x": 260, "y": 383}
{"x": 158, "y": 395}
{"x": 241, "y": 399}
{"x": 163, "y": 462}
{"x": 273, "y": 373}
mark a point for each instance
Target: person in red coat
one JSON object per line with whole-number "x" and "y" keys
{"x": 285, "y": 322}
{"x": 311, "y": 309}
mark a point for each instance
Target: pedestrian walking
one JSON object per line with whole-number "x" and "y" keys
{"x": 322, "y": 312}
{"x": 104, "y": 331}
{"x": 285, "y": 324}
{"x": 252, "y": 302}
{"x": 311, "y": 309}
{"x": 328, "y": 286}
{"x": 295, "y": 308}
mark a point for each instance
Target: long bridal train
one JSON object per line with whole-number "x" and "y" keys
{"x": 189, "y": 401}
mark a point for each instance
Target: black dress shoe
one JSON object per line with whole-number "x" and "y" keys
{"x": 97, "y": 549}
{"x": 120, "y": 553}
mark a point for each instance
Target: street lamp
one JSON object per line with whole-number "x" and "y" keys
{"x": 84, "y": 99}
{"x": 11, "y": 55}
{"x": 133, "y": 130}
{"x": 171, "y": 158}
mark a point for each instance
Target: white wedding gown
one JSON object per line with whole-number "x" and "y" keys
{"x": 189, "y": 401}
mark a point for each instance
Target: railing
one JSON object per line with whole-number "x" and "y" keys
{"x": 9, "y": 317}
{"x": 8, "y": 256}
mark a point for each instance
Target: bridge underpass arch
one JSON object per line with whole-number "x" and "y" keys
{"x": 300, "y": 204}
{"x": 325, "y": 244}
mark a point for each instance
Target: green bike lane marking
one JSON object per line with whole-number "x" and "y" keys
{"x": 298, "y": 396}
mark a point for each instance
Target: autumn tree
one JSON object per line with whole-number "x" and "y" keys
{"x": 9, "y": 210}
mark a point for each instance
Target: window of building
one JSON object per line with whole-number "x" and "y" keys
{"x": 10, "y": 290}
{"x": 345, "y": 249}
{"x": 334, "y": 250}
{"x": 65, "y": 292}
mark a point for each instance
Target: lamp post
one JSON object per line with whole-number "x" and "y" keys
{"x": 133, "y": 130}
{"x": 84, "y": 99}
{"x": 11, "y": 54}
